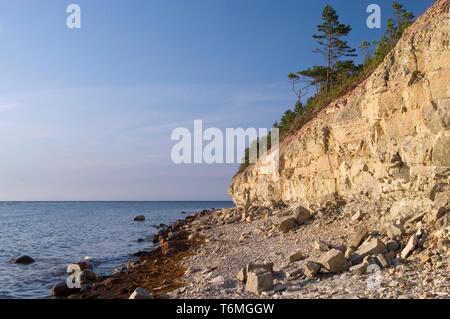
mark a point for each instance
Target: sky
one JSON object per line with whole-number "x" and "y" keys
{"x": 87, "y": 114}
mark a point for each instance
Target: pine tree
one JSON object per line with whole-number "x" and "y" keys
{"x": 403, "y": 18}
{"x": 395, "y": 28}
{"x": 330, "y": 41}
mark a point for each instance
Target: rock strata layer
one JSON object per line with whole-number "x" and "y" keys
{"x": 388, "y": 137}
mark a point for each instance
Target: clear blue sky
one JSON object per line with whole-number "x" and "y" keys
{"x": 87, "y": 114}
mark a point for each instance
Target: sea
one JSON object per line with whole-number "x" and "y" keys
{"x": 56, "y": 234}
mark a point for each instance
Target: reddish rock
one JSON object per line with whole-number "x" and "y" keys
{"x": 173, "y": 246}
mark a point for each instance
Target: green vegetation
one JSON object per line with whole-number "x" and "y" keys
{"x": 339, "y": 75}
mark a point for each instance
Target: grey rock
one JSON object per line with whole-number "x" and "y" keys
{"x": 139, "y": 218}
{"x": 24, "y": 260}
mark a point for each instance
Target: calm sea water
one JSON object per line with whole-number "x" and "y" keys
{"x": 58, "y": 233}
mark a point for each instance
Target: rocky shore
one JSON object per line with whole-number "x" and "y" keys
{"x": 340, "y": 250}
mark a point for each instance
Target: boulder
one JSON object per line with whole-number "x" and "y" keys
{"x": 242, "y": 274}
{"x": 334, "y": 261}
{"x": 140, "y": 293}
{"x": 24, "y": 260}
{"x": 61, "y": 290}
{"x": 382, "y": 261}
{"x": 359, "y": 269}
{"x": 301, "y": 214}
{"x": 139, "y": 218}
{"x": 259, "y": 280}
{"x": 410, "y": 246}
{"x": 288, "y": 224}
{"x": 312, "y": 269}
{"x": 359, "y": 237}
{"x": 372, "y": 246}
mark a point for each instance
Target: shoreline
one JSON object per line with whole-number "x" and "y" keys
{"x": 203, "y": 256}
{"x": 158, "y": 270}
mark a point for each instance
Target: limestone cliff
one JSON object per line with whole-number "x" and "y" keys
{"x": 389, "y": 137}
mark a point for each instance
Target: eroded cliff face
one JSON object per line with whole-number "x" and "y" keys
{"x": 389, "y": 137}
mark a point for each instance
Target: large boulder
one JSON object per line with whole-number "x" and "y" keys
{"x": 259, "y": 280}
{"x": 288, "y": 224}
{"x": 334, "y": 261}
{"x": 302, "y": 214}
{"x": 24, "y": 260}
{"x": 242, "y": 274}
{"x": 370, "y": 247}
